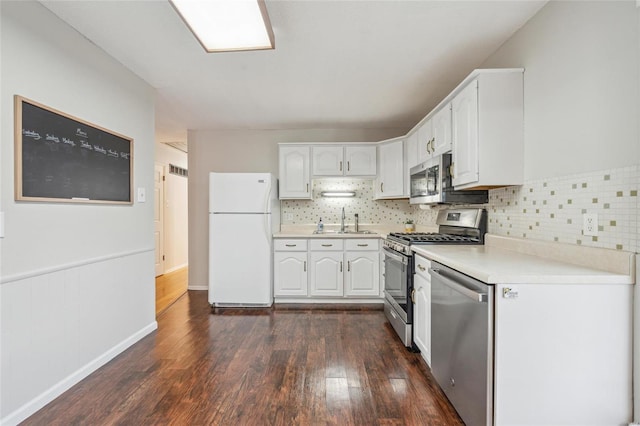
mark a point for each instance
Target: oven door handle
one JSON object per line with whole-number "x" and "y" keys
{"x": 394, "y": 256}
{"x": 460, "y": 288}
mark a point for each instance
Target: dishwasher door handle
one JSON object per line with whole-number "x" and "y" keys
{"x": 460, "y": 288}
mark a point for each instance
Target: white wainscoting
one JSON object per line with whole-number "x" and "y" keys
{"x": 59, "y": 325}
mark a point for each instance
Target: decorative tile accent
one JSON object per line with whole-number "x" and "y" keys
{"x": 369, "y": 210}
{"x": 612, "y": 194}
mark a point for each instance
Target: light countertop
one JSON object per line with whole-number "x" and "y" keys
{"x": 379, "y": 231}
{"x": 500, "y": 261}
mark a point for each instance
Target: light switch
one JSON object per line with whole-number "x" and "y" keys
{"x": 142, "y": 195}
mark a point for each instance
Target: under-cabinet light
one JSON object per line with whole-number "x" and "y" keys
{"x": 227, "y": 25}
{"x": 343, "y": 194}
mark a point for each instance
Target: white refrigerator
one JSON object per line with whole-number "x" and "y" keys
{"x": 243, "y": 212}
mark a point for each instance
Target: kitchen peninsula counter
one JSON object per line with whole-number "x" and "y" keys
{"x": 504, "y": 260}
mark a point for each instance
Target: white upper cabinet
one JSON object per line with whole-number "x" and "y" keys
{"x": 328, "y": 160}
{"x": 425, "y": 136}
{"x": 488, "y": 130}
{"x": 294, "y": 179}
{"x": 441, "y": 137}
{"x": 411, "y": 149}
{"x": 391, "y": 173}
{"x": 344, "y": 160}
{"x": 361, "y": 160}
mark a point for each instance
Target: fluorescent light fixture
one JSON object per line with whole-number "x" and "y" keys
{"x": 341, "y": 194}
{"x": 227, "y": 25}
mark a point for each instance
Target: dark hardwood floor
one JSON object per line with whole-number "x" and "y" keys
{"x": 258, "y": 367}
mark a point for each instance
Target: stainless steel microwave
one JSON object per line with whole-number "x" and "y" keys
{"x": 431, "y": 184}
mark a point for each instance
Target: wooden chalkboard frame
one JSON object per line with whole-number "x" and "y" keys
{"x": 123, "y": 153}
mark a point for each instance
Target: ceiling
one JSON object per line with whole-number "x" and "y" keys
{"x": 337, "y": 64}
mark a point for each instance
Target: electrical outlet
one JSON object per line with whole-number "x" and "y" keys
{"x": 590, "y": 224}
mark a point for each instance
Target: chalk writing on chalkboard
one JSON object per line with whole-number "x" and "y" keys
{"x": 61, "y": 158}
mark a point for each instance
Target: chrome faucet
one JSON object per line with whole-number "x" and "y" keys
{"x": 342, "y": 221}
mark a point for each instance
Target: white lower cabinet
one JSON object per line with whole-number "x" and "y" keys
{"x": 326, "y": 274}
{"x": 363, "y": 274}
{"x": 422, "y": 308}
{"x": 332, "y": 268}
{"x": 290, "y": 273}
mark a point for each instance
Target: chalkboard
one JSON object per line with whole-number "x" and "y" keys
{"x": 60, "y": 158}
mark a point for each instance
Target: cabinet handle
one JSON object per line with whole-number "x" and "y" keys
{"x": 381, "y": 186}
{"x": 451, "y": 170}
{"x": 341, "y": 166}
{"x": 422, "y": 268}
{"x": 348, "y": 266}
{"x": 327, "y": 245}
{"x": 428, "y": 152}
{"x": 348, "y": 166}
{"x": 363, "y": 245}
{"x": 290, "y": 245}
{"x": 305, "y": 266}
{"x": 307, "y": 187}
{"x": 341, "y": 266}
{"x": 413, "y": 299}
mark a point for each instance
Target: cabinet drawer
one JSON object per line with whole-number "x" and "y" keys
{"x": 422, "y": 266}
{"x": 289, "y": 245}
{"x": 362, "y": 244}
{"x": 326, "y": 245}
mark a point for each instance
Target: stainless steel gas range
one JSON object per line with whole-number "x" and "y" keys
{"x": 455, "y": 226}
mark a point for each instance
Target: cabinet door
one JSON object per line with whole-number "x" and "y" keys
{"x": 294, "y": 172}
{"x": 326, "y": 271}
{"x": 363, "y": 274}
{"x": 411, "y": 149}
{"x": 361, "y": 160}
{"x": 464, "y": 114}
{"x": 290, "y": 273}
{"x": 327, "y": 160}
{"x": 425, "y": 134}
{"x": 442, "y": 131}
{"x": 422, "y": 315}
{"x": 390, "y": 183}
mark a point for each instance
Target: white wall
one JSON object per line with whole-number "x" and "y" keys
{"x": 175, "y": 208}
{"x": 77, "y": 281}
{"x": 582, "y": 102}
{"x": 581, "y": 86}
{"x": 244, "y": 151}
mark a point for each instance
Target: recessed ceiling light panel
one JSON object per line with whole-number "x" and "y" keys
{"x": 227, "y": 25}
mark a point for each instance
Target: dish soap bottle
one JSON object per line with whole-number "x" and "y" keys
{"x": 320, "y": 225}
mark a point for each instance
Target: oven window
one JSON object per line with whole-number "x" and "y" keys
{"x": 395, "y": 281}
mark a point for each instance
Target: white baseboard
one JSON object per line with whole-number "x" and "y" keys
{"x": 176, "y": 268}
{"x": 65, "y": 384}
{"x": 198, "y": 287}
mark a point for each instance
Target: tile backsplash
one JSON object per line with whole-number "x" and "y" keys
{"x": 300, "y": 212}
{"x": 548, "y": 209}
{"x": 551, "y": 209}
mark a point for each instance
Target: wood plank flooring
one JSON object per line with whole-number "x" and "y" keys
{"x": 169, "y": 287}
{"x": 258, "y": 367}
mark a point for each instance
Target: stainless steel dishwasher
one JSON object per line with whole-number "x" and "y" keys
{"x": 462, "y": 342}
